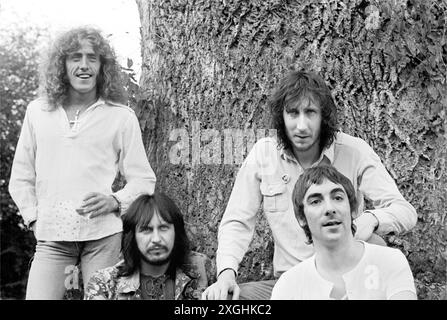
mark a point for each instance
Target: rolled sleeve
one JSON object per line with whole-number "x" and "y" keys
{"x": 393, "y": 212}
{"x": 134, "y": 165}
{"x": 238, "y": 222}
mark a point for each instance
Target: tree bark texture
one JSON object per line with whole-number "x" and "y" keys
{"x": 210, "y": 66}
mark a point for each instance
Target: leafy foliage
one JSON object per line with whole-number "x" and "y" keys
{"x": 19, "y": 57}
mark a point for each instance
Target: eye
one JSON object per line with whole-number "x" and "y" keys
{"x": 311, "y": 111}
{"x": 314, "y": 202}
{"x": 164, "y": 228}
{"x": 145, "y": 229}
{"x": 339, "y": 198}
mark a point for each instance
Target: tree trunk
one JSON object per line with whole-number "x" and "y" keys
{"x": 209, "y": 68}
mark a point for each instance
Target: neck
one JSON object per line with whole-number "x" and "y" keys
{"x": 80, "y": 100}
{"x": 152, "y": 269}
{"x": 307, "y": 158}
{"x": 338, "y": 257}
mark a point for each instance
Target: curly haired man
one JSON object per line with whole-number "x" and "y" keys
{"x": 76, "y": 137}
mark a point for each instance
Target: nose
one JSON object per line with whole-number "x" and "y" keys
{"x": 330, "y": 210}
{"x": 83, "y": 63}
{"x": 156, "y": 236}
{"x": 301, "y": 122}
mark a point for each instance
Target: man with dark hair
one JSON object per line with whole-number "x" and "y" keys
{"x": 75, "y": 139}
{"x": 305, "y": 117}
{"x": 158, "y": 264}
{"x": 324, "y": 203}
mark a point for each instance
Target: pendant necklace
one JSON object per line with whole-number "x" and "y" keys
{"x": 75, "y": 121}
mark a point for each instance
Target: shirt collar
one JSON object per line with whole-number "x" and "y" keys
{"x": 327, "y": 153}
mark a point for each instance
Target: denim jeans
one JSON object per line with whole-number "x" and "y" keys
{"x": 53, "y": 267}
{"x": 257, "y": 290}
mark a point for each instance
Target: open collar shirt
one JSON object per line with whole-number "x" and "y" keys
{"x": 267, "y": 177}
{"x": 56, "y": 165}
{"x": 381, "y": 273}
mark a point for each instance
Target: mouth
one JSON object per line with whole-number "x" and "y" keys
{"x": 301, "y": 137}
{"x": 84, "y": 76}
{"x": 157, "y": 249}
{"x": 331, "y": 223}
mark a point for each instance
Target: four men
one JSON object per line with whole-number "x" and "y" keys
{"x": 77, "y": 137}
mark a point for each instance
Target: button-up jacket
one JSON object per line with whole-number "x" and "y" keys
{"x": 190, "y": 281}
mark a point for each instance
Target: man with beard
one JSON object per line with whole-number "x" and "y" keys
{"x": 158, "y": 264}
{"x": 306, "y": 119}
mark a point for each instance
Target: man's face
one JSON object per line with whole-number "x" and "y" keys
{"x": 83, "y": 66}
{"x": 156, "y": 240}
{"x": 303, "y": 125}
{"x": 327, "y": 211}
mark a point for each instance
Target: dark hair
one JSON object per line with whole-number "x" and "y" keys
{"x": 316, "y": 175}
{"x": 54, "y": 80}
{"x": 298, "y": 85}
{"x": 140, "y": 214}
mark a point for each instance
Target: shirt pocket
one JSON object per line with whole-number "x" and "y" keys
{"x": 275, "y": 197}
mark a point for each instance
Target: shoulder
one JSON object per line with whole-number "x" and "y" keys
{"x": 119, "y": 107}
{"x": 102, "y": 284}
{"x": 265, "y": 151}
{"x": 345, "y": 140}
{"x": 389, "y": 257}
{"x": 197, "y": 265}
{"x": 297, "y": 273}
{"x": 350, "y": 146}
{"x": 39, "y": 104}
{"x": 268, "y": 142}
{"x": 291, "y": 283}
{"x": 105, "y": 275}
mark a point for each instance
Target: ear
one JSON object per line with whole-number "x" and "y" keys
{"x": 301, "y": 222}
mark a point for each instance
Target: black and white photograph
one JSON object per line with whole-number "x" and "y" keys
{"x": 234, "y": 153}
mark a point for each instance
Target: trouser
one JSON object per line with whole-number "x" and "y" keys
{"x": 53, "y": 266}
{"x": 257, "y": 290}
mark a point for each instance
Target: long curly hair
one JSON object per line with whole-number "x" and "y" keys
{"x": 54, "y": 81}
{"x": 296, "y": 86}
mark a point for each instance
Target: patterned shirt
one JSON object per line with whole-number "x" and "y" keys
{"x": 189, "y": 283}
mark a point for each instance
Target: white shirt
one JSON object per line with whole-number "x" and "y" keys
{"x": 380, "y": 273}
{"x": 268, "y": 176}
{"x": 55, "y": 166}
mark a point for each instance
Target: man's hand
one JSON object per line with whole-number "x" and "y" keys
{"x": 95, "y": 204}
{"x": 366, "y": 224}
{"x": 225, "y": 284}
